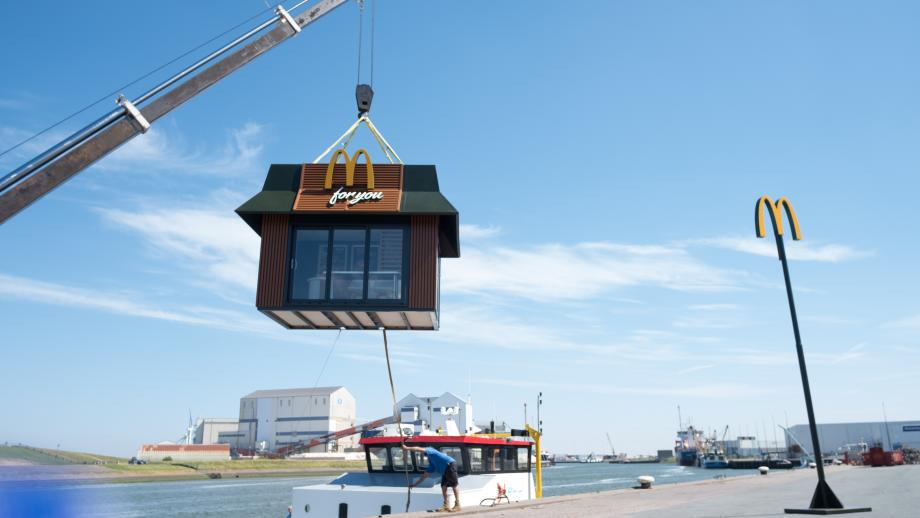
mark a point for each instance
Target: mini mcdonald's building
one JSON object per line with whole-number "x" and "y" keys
{"x": 351, "y": 245}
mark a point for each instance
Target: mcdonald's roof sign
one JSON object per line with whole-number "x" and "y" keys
{"x": 386, "y": 190}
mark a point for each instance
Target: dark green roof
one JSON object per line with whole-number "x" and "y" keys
{"x": 420, "y": 195}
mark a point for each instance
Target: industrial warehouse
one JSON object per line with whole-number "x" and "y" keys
{"x": 838, "y": 438}
{"x": 318, "y": 420}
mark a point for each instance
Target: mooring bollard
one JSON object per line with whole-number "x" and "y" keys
{"x": 764, "y": 470}
{"x": 645, "y": 481}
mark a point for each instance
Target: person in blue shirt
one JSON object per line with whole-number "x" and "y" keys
{"x": 446, "y": 467}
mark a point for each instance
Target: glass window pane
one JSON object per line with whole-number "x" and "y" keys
{"x": 347, "y": 264}
{"x": 475, "y": 460}
{"x": 523, "y": 458}
{"x": 421, "y": 460}
{"x": 385, "y": 270}
{"x": 400, "y": 459}
{"x": 509, "y": 459}
{"x": 454, "y": 453}
{"x": 379, "y": 460}
{"x": 493, "y": 459}
{"x": 308, "y": 280}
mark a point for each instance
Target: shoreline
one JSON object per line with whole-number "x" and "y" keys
{"x": 102, "y": 474}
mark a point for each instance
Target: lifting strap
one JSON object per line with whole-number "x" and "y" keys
{"x": 386, "y": 352}
{"x": 350, "y": 132}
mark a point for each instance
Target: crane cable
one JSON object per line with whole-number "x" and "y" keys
{"x": 328, "y": 355}
{"x": 386, "y": 352}
{"x": 361, "y": 37}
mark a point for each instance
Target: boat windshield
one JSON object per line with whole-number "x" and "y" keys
{"x": 469, "y": 458}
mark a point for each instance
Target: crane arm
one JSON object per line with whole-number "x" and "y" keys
{"x": 333, "y": 436}
{"x": 42, "y": 174}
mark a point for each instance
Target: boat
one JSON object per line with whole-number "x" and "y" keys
{"x": 714, "y": 460}
{"x": 590, "y": 459}
{"x": 491, "y": 469}
{"x": 686, "y": 447}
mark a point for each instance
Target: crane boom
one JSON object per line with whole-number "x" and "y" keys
{"x": 42, "y": 174}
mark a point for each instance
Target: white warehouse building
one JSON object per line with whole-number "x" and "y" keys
{"x": 271, "y": 419}
{"x": 215, "y": 430}
{"x": 835, "y": 437}
{"x": 433, "y": 412}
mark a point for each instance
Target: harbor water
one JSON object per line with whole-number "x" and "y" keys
{"x": 269, "y": 497}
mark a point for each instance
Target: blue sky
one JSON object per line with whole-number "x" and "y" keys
{"x": 605, "y": 158}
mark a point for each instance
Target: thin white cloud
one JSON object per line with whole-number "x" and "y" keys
{"x": 695, "y": 368}
{"x": 853, "y": 353}
{"x": 18, "y": 102}
{"x": 22, "y": 288}
{"x": 713, "y": 391}
{"x": 468, "y": 231}
{"x": 795, "y": 250}
{"x": 712, "y": 307}
{"x": 165, "y": 151}
{"x": 698, "y": 322}
{"x": 215, "y": 243}
{"x": 909, "y": 322}
{"x": 554, "y": 272}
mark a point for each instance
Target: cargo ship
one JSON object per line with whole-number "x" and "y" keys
{"x": 687, "y": 446}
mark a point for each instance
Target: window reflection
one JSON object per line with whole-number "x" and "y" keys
{"x": 309, "y": 275}
{"x": 401, "y": 461}
{"x": 475, "y": 460}
{"x": 523, "y": 458}
{"x": 347, "y": 264}
{"x": 386, "y": 264}
{"x": 379, "y": 459}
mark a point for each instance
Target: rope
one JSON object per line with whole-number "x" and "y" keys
{"x": 349, "y": 133}
{"x": 328, "y": 355}
{"x": 386, "y": 352}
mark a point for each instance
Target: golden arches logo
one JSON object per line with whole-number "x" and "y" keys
{"x": 776, "y": 216}
{"x": 350, "y": 164}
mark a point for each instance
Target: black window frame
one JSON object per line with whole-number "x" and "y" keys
{"x": 327, "y": 301}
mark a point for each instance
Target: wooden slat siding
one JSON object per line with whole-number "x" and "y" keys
{"x": 272, "y": 261}
{"x": 312, "y": 197}
{"x": 423, "y": 262}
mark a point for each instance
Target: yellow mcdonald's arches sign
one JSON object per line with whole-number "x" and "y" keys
{"x": 350, "y": 164}
{"x": 776, "y": 216}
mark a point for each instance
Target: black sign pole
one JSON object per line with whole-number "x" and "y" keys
{"x": 824, "y": 500}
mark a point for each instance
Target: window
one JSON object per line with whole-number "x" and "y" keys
{"x": 475, "y": 460}
{"x": 421, "y": 461}
{"x": 348, "y": 264}
{"x": 509, "y": 459}
{"x": 384, "y": 275}
{"x": 454, "y": 453}
{"x": 377, "y": 459}
{"x": 523, "y": 459}
{"x": 401, "y": 461}
{"x": 493, "y": 459}
{"x": 308, "y": 278}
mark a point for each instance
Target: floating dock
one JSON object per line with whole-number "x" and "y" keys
{"x": 891, "y": 492}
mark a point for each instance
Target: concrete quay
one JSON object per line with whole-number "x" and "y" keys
{"x": 890, "y": 492}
